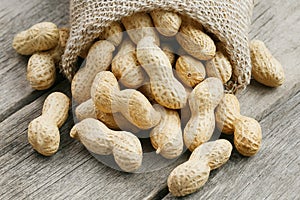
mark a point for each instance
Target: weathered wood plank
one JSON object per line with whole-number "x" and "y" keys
{"x": 74, "y": 173}
{"x": 272, "y": 173}
{"x": 15, "y": 16}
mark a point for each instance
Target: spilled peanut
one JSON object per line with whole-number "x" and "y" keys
{"x": 133, "y": 105}
{"x": 97, "y": 138}
{"x": 99, "y": 59}
{"x": 193, "y": 174}
{"x": 190, "y": 70}
{"x": 41, "y": 71}
{"x": 203, "y": 100}
{"x": 247, "y": 131}
{"x": 167, "y": 90}
{"x": 265, "y": 68}
{"x": 114, "y": 121}
{"x": 43, "y": 132}
{"x": 40, "y": 37}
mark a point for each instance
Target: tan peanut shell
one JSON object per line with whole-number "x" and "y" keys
{"x": 227, "y": 112}
{"x": 40, "y": 37}
{"x": 41, "y": 71}
{"x": 114, "y": 121}
{"x": 167, "y": 23}
{"x": 133, "y": 105}
{"x": 247, "y": 136}
{"x": 194, "y": 173}
{"x": 98, "y": 59}
{"x": 195, "y": 42}
{"x": 57, "y": 52}
{"x": 190, "y": 70}
{"x": 126, "y": 67}
{"x": 97, "y": 138}
{"x": 219, "y": 67}
{"x": 138, "y": 26}
{"x": 43, "y": 132}
{"x": 113, "y": 33}
{"x": 167, "y": 90}
{"x": 265, "y": 68}
{"x": 203, "y": 100}
{"x": 247, "y": 131}
{"x": 166, "y": 137}
{"x": 169, "y": 51}
{"x": 216, "y": 153}
{"x": 188, "y": 177}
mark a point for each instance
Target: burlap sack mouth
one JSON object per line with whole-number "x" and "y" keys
{"x": 228, "y": 20}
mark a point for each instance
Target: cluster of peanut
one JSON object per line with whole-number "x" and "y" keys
{"x": 136, "y": 89}
{"x": 45, "y": 43}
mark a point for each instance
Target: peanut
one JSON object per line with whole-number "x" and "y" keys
{"x": 126, "y": 67}
{"x": 265, "y": 68}
{"x": 114, "y": 121}
{"x": 167, "y": 90}
{"x": 41, "y": 71}
{"x": 247, "y": 131}
{"x": 193, "y": 174}
{"x": 247, "y": 136}
{"x": 40, "y": 37}
{"x": 133, "y": 105}
{"x": 43, "y": 132}
{"x": 97, "y": 138}
{"x": 219, "y": 67}
{"x": 167, "y": 23}
{"x": 227, "y": 112}
{"x": 190, "y": 71}
{"x": 99, "y": 59}
{"x": 113, "y": 33}
{"x": 166, "y": 137}
{"x": 195, "y": 42}
{"x": 203, "y": 100}
{"x": 138, "y": 26}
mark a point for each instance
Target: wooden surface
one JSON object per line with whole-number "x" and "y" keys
{"x": 73, "y": 173}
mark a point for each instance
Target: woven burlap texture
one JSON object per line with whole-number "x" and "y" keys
{"x": 229, "y": 20}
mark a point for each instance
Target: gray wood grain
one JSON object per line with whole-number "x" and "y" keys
{"x": 73, "y": 173}
{"x": 273, "y": 173}
{"x": 16, "y": 16}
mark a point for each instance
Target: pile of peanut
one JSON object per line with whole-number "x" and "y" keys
{"x": 128, "y": 84}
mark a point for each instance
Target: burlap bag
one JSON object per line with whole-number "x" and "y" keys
{"x": 229, "y": 20}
